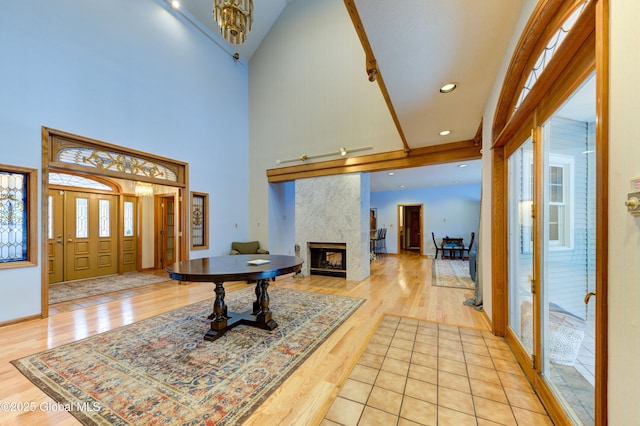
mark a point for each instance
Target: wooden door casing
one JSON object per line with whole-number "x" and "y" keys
{"x": 55, "y": 238}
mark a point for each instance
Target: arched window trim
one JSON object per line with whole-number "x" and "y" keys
{"x": 73, "y": 180}
{"x": 548, "y": 51}
{"x": 545, "y": 21}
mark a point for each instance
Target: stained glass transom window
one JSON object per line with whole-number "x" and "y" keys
{"x": 13, "y": 217}
{"x": 76, "y": 181}
{"x": 113, "y": 161}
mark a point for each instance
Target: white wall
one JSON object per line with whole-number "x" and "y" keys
{"x": 131, "y": 74}
{"x": 282, "y": 218}
{"x": 450, "y": 210}
{"x": 485, "y": 244}
{"x": 309, "y": 93}
{"x": 624, "y": 229}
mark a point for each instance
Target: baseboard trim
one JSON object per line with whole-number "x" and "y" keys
{"x": 20, "y": 320}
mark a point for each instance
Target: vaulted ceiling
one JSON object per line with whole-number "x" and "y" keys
{"x": 416, "y": 46}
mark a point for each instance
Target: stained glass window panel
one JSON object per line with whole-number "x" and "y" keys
{"x": 50, "y": 219}
{"x": 105, "y": 220}
{"x": 13, "y": 217}
{"x": 128, "y": 219}
{"x": 82, "y": 218}
{"x": 199, "y": 220}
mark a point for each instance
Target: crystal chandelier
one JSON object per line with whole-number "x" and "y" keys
{"x": 144, "y": 189}
{"x": 234, "y": 17}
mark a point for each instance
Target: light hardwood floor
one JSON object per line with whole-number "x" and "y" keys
{"x": 398, "y": 285}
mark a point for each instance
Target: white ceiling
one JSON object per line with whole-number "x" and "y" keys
{"x": 419, "y": 45}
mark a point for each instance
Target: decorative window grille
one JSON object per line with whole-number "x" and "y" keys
{"x": 552, "y": 46}
{"x": 128, "y": 219}
{"x": 199, "y": 221}
{"x": 65, "y": 179}
{"x": 82, "y": 218}
{"x": 13, "y": 216}
{"x": 117, "y": 162}
{"x": 105, "y": 218}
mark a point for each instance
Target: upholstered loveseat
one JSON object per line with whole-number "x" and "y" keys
{"x": 251, "y": 247}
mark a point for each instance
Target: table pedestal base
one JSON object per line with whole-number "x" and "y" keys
{"x": 259, "y": 316}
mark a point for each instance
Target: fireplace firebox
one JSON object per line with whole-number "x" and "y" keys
{"x": 328, "y": 259}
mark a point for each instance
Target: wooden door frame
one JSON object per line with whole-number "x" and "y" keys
{"x": 593, "y": 28}
{"x": 54, "y": 141}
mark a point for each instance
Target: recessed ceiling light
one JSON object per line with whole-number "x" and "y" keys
{"x": 445, "y": 132}
{"x": 448, "y": 88}
{"x": 456, "y": 181}
{"x": 401, "y": 186}
{"x": 175, "y": 4}
{"x": 391, "y": 173}
{"x": 462, "y": 165}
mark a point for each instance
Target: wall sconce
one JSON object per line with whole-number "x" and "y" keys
{"x": 342, "y": 152}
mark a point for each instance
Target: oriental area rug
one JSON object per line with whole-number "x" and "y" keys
{"x": 160, "y": 370}
{"x": 452, "y": 273}
{"x": 63, "y": 292}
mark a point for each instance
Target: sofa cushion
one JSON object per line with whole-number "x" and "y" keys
{"x": 250, "y": 247}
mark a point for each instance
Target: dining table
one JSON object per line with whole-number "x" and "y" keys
{"x": 454, "y": 245}
{"x": 221, "y": 269}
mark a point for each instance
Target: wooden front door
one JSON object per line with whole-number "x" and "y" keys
{"x": 90, "y": 235}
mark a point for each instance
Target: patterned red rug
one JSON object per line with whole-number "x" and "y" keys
{"x": 160, "y": 370}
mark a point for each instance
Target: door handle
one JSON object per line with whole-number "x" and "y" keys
{"x": 69, "y": 240}
{"x": 588, "y": 296}
{"x": 59, "y": 241}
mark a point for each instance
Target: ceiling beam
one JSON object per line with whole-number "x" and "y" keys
{"x": 391, "y": 160}
{"x": 372, "y": 67}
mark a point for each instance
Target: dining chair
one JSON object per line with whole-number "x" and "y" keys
{"x": 433, "y": 237}
{"x": 468, "y": 249}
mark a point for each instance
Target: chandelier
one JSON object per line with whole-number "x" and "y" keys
{"x": 144, "y": 189}
{"x": 234, "y": 17}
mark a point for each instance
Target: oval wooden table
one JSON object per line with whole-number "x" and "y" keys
{"x": 220, "y": 269}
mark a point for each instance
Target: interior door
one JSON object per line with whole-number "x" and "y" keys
{"x": 415, "y": 235}
{"x": 166, "y": 247}
{"x": 91, "y": 236}
{"x": 55, "y": 237}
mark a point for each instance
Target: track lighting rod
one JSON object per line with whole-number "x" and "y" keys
{"x": 342, "y": 152}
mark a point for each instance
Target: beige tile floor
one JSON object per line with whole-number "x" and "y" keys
{"x": 423, "y": 373}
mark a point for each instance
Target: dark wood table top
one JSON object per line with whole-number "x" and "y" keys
{"x": 234, "y": 268}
